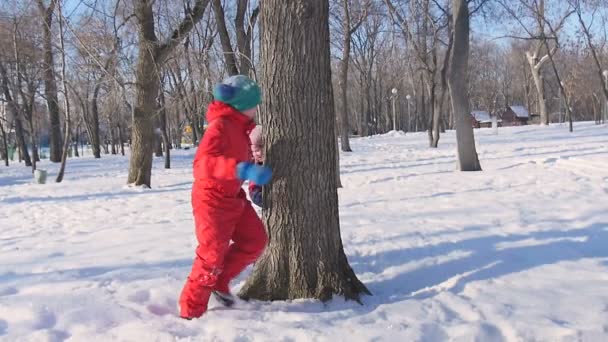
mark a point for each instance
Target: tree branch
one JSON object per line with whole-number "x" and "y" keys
{"x": 182, "y": 30}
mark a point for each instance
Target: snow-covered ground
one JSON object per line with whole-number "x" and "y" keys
{"x": 518, "y": 252}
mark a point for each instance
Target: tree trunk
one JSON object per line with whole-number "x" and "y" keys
{"x": 121, "y": 140}
{"x": 561, "y": 87}
{"x": 344, "y": 124}
{"x": 163, "y": 129}
{"x": 436, "y": 125}
{"x": 94, "y": 131}
{"x": 305, "y": 257}
{"x": 148, "y": 84}
{"x": 540, "y": 89}
{"x": 20, "y": 135}
{"x": 422, "y": 105}
{"x": 33, "y": 141}
{"x": 459, "y": 87}
{"x": 112, "y": 136}
{"x": 229, "y": 55}
{"x": 195, "y": 132}
{"x": 50, "y": 84}
{"x": 76, "y": 153}
{"x": 338, "y": 181}
{"x": 158, "y": 142}
{"x": 4, "y": 145}
{"x": 15, "y": 112}
{"x": 434, "y": 114}
{"x": 66, "y": 102}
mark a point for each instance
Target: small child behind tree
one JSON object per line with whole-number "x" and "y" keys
{"x": 257, "y": 150}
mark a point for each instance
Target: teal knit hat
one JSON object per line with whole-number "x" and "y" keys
{"x": 240, "y": 92}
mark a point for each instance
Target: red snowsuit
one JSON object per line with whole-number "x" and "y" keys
{"x": 221, "y": 210}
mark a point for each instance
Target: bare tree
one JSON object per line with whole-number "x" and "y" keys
{"x": 459, "y": 88}
{"x": 429, "y": 22}
{"x": 15, "y": 113}
{"x": 66, "y": 98}
{"x": 50, "y": 84}
{"x": 586, "y": 29}
{"x": 244, "y": 34}
{"x": 305, "y": 256}
{"x": 26, "y": 82}
{"x": 542, "y": 53}
{"x": 348, "y": 28}
{"x": 152, "y": 56}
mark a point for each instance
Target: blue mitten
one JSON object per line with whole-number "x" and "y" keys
{"x": 256, "y": 173}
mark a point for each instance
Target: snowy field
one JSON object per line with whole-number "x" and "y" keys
{"x": 518, "y": 252}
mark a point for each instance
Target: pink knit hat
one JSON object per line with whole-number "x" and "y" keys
{"x": 256, "y": 136}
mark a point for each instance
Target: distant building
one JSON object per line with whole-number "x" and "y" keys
{"x": 515, "y": 116}
{"x": 482, "y": 119}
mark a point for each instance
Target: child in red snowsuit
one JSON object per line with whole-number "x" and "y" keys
{"x": 221, "y": 210}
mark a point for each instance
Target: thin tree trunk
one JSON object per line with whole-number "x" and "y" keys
{"x": 344, "y": 123}
{"x": 305, "y": 257}
{"x": 66, "y": 101}
{"x": 195, "y": 132}
{"x": 76, "y": 144}
{"x": 459, "y": 87}
{"x": 163, "y": 129}
{"x": 536, "y": 68}
{"x": 594, "y": 54}
{"x": 50, "y": 84}
{"x": 229, "y": 55}
{"x": 121, "y": 140}
{"x": 15, "y": 113}
{"x": 158, "y": 142}
{"x": 4, "y": 145}
{"x": 433, "y": 129}
{"x": 33, "y": 140}
{"x": 338, "y": 180}
{"x": 94, "y": 129}
{"x": 20, "y": 134}
{"x": 561, "y": 87}
{"x": 112, "y": 136}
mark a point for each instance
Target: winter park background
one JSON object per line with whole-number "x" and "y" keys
{"x": 514, "y": 253}
{"x": 462, "y": 144}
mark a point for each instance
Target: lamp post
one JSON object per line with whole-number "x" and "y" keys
{"x": 394, "y": 97}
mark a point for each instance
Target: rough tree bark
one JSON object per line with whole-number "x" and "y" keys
{"x": 50, "y": 84}
{"x": 305, "y": 257}
{"x": 458, "y": 81}
{"x": 153, "y": 55}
